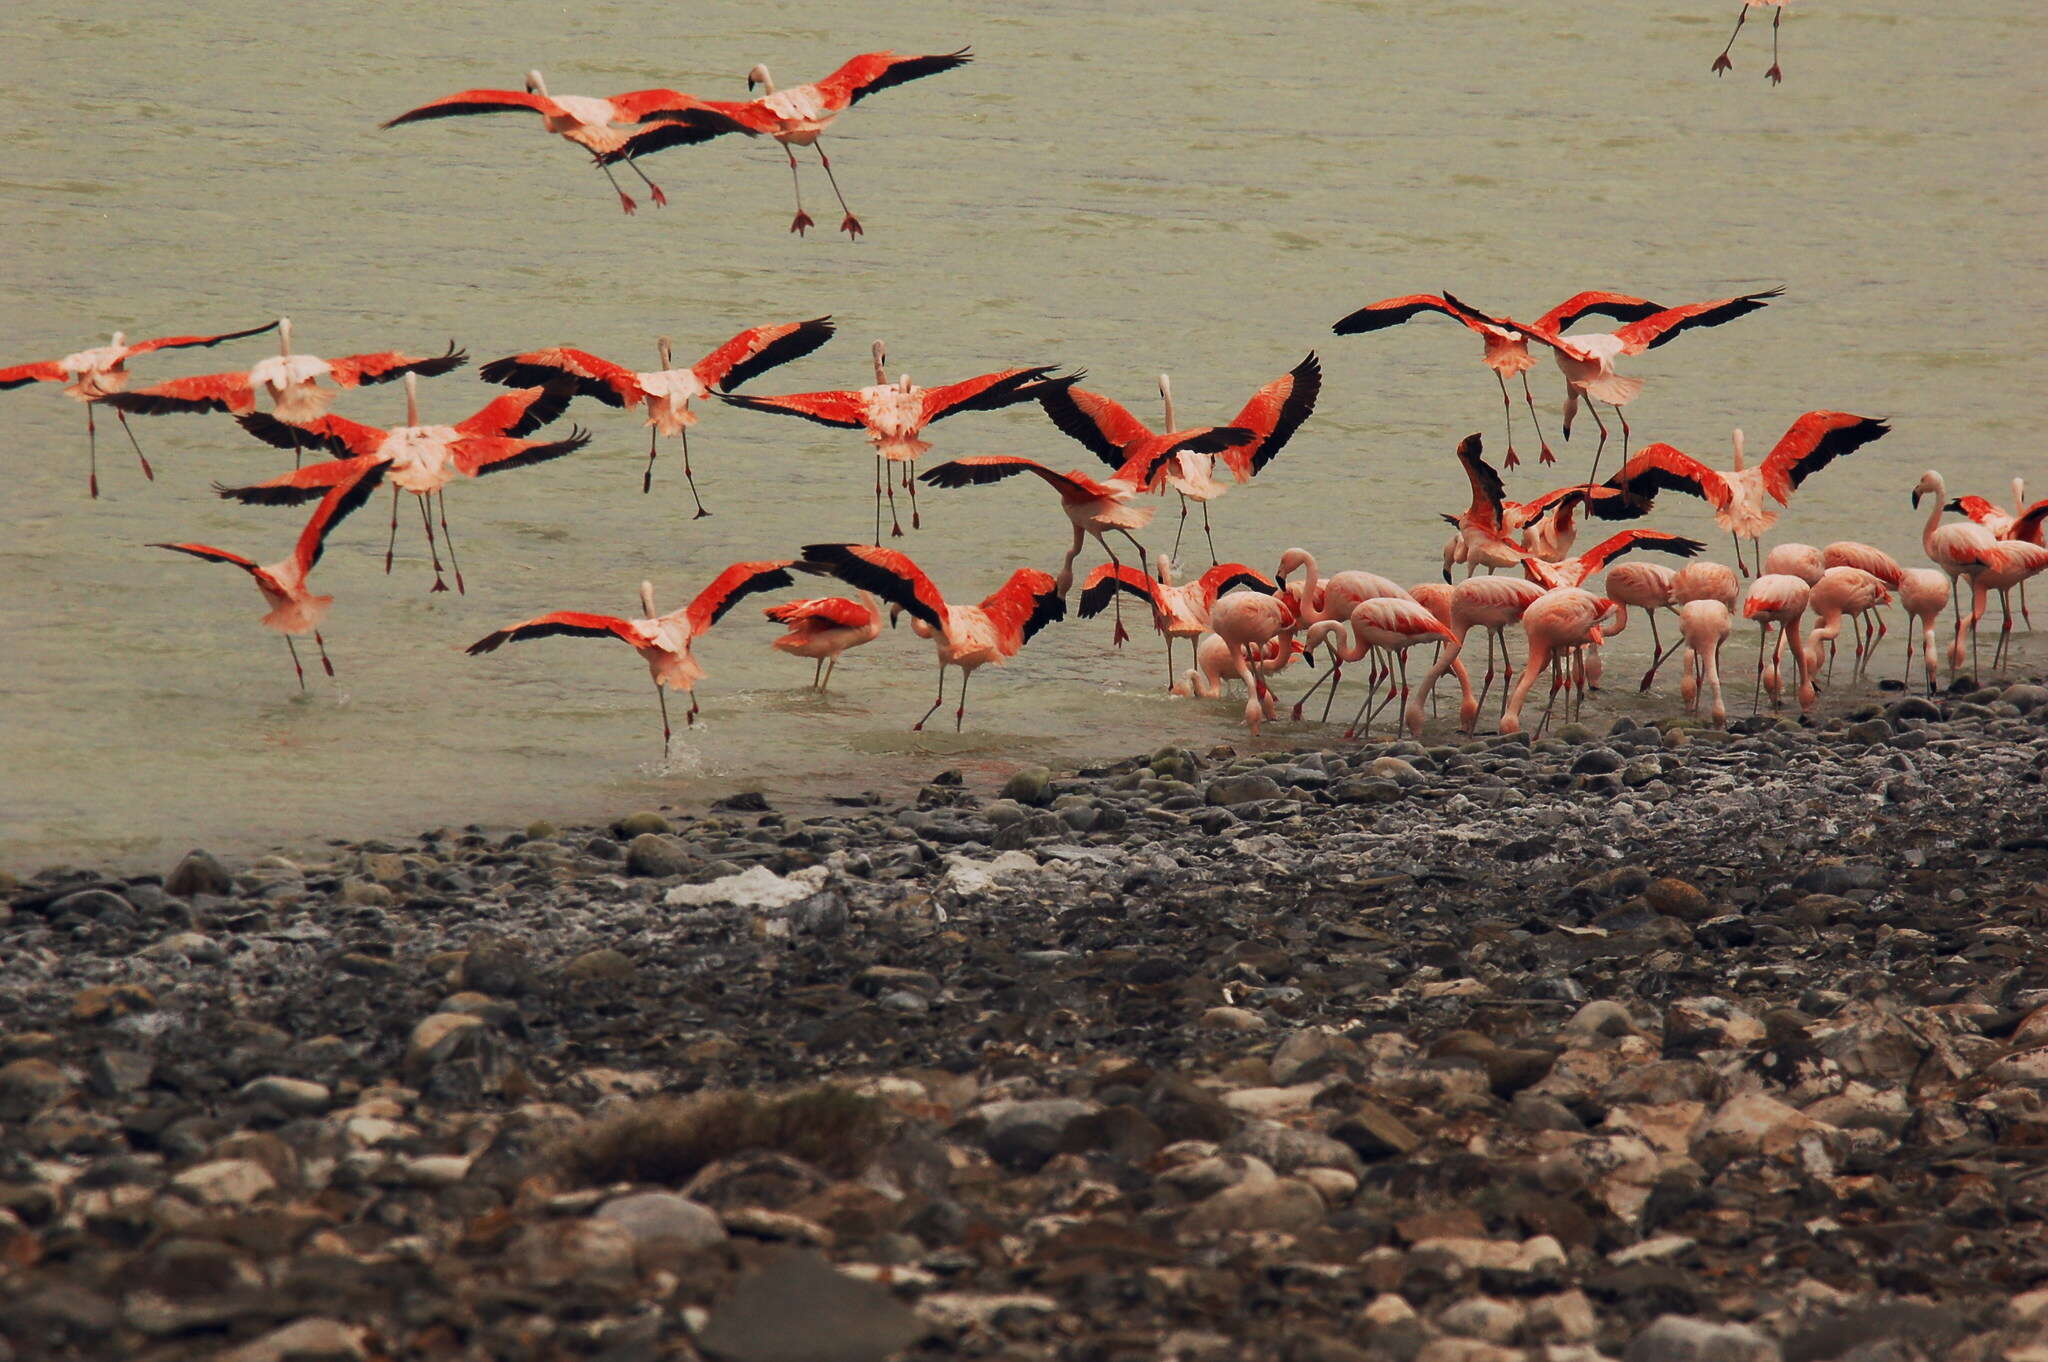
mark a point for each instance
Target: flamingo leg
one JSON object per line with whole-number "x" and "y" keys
{"x": 1626, "y": 433}
{"x": 2004, "y": 629}
{"x": 129, "y": 431}
{"x": 667, "y": 733}
{"x": 1736, "y": 540}
{"x": 690, "y": 714}
{"x": 1593, "y": 408}
{"x": 1775, "y": 75}
{"x": 1507, "y": 672}
{"x": 1721, "y": 63}
{"x": 850, "y": 224}
{"x": 817, "y": 673}
{"x": 1556, "y": 684}
{"x": 1546, "y": 456}
{"x": 2027, "y": 618}
{"x": 802, "y": 219}
{"x": 660, "y": 199}
{"x": 689, "y": 476}
{"x": 1213, "y": 559}
{"x": 427, "y": 523}
{"x": 625, "y": 200}
{"x": 647, "y": 477}
{"x": 321, "y": 644}
{"x": 895, "y": 525}
{"x": 911, "y": 482}
{"x": 919, "y": 725}
{"x": 1169, "y": 663}
{"x": 1763, "y": 640}
{"x": 878, "y": 495}
{"x": 1487, "y": 684}
{"x": 92, "y": 454}
{"x": 960, "y": 714}
{"x": 295, "y": 660}
{"x": 1658, "y": 653}
{"x": 392, "y": 545}
{"x": 1183, "y": 524}
{"x": 1508, "y": 414}
{"x": 441, "y": 500}
{"x": 830, "y": 667}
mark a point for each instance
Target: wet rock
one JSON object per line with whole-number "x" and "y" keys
{"x": 107, "y": 1002}
{"x": 314, "y": 1339}
{"x": 1235, "y": 790}
{"x": 226, "y": 1182}
{"x": 1676, "y": 898}
{"x": 496, "y": 965}
{"x": 298, "y": 1096}
{"x": 1026, "y": 1134}
{"x": 1031, "y": 786}
{"x": 1373, "y": 1132}
{"x": 633, "y": 825}
{"x": 1680, "y": 1338}
{"x": 656, "y": 856}
{"x": 198, "y": 873}
{"x": 598, "y": 967}
{"x": 31, "y": 1086}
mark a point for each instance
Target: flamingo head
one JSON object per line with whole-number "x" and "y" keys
{"x": 121, "y": 339}
{"x": 662, "y": 346}
{"x": 646, "y": 596}
{"x": 284, "y": 335}
{"x": 1162, "y": 569}
{"x": 535, "y": 85}
{"x": 1929, "y": 485}
{"x": 881, "y": 353}
{"x": 759, "y": 76}
{"x": 1291, "y": 560}
{"x": 895, "y": 614}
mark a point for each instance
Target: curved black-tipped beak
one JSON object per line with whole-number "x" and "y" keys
{"x": 1916, "y": 501}
{"x": 1447, "y": 576}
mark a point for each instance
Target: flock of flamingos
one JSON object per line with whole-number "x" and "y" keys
{"x": 1242, "y": 622}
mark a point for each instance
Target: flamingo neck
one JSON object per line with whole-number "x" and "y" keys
{"x": 647, "y": 598}
{"x": 1738, "y": 451}
{"x": 284, "y": 335}
{"x": 1166, "y": 396}
{"x": 412, "y": 399}
{"x": 1940, "y": 499}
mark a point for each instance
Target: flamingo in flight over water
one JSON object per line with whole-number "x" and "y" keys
{"x": 666, "y": 392}
{"x": 1775, "y": 75}
{"x": 663, "y": 640}
{"x": 967, "y": 636}
{"x": 587, "y": 121}
{"x": 895, "y": 414}
{"x": 795, "y": 117}
{"x": 420, "y": 459}
{"x": 89, "y": 375}
{"x": 1506, "y": 351}
{"x": 1809, "y": 444}
{"x": 294, "y": 609}
{"x": 824, "y": 627}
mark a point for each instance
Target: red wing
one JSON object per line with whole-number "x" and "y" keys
{"x": 1814, "y": 441}
{"x": 612, "y": 384}
{"x": 1487, "y": 493}
{"x": 843, "y": 409}
{"x": 350, "y": 370}
{"x": 1105, "y": 581}
{"x": 872, "y": 71}
{"x": 984, "y": 392}
{"x": 1276, "y": 411}
{"x": 1657, "y": 328}
{"x": 1226, "y": 577}
{"x": 477, "y": 102}
{"x": 1661, "y": 468}
{"x": 336, "y": 434}
{"x": 1596, "y": 303}
{"x": 1607, "y": 550}
{"x": 635, "y": 105}
{"x": 1393, "y": 311}
{"x": 825, "y": 609}
{"x": 348, "y": 494}
{"x": 885, "y": 572}
{"x": 212, "y": 555}
{"x": 1977, "y": 509}
{"x": 183, "y": 342}
{"x": 1022, "y": 606}
{"x": 520, "y": 413}
{"x": 2027, "y": 527}
{"x": 479, "y": 455}
{"x": 43, "y": 370}
{"x": 302, "y": 484}
{"x": 732, "y": 586}
{"x": 757, "y": 350}
{"x": 694, "y": 120}
{"x": 985, "y": 468}
{"x": 1145, "y": 468}
{"x": 560, "y": 622}
{"x": 1103, "y": 426}
{"x": 203, "y": 392}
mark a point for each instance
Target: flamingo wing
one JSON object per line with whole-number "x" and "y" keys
{"x": 843, "y": 408}
{"x": 559, "y": 622}
{"x": 1661, "y": 468}
{"x": 1813, "y": 442}
{"x": 693, "y": 125}
{"x": 302, "y": 484}
{"x": 2026, "y": 527}
{"x": 347, "y": 495}
{"x": 1022, "y": 606}
{"x": 588, "y": 375}
{"x": 477, "y": 102}
{"x": 985, "y": 468}
{"x": 984, "y": 392}
{"x": 202, "y": 392}
{"x": 1102, "y": 425}
{"x": 823, "y": 610}
{"x": 1233, "y": 577}
{"x": 1488, "y": 495}
{"x": 338, "y": 435}
{"x": 1144, "y": 468}
{"x": 1105, "y": 581}
{"x": 520, "y": 413}
{"x": 1393, "y": 311}
{"x": 187, "y": 342}
{"x": 213, "y": 555}
{"x": 733, "y": 585}
{"x": 887, "y": 573}
{"x": 758, "y": 349}
{"x": 1660, "y": 327}
{"x": 40, "y": 371}
{"x": 1275, "y": 412}
{"x": 1607, "y": 550}
{"x": 1976, "y": 508}
{"x": 478, "y": 455}
{"x": 351, "y": 370}
{"x": 1597, "y": 303}
{"x": 871, "y": 71}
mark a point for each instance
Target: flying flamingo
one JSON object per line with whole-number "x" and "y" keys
{"x": 1646, "y": 586}
{"x": 967, "y": 636}
{"x": 89, "y": 375}
{"x": 663, "y": 640}
{"x": 587, "y": 121}
{"x": 894, "y": 414}
{"x": 1737, "y": 495}
{"x": 291, "y": 381}
{"x": 1506, "y": 350}
{"x": 1774, "y": 75}
{"x": 825, "y": 627}
{"x": 666, "y": 392}
{"x": 1779, "y": 598}
{"x": 1576, "y": 571}
{"x": 1704, "y": 625}
{"x": 1177, "y": 611}
{"x": 795, "y": 117}
{"x": 1961, "y": 549}
{"x": 1486, "y": 528}
{"x": 1254, "y": 625}
{"x": 1557, "y": 624}
{"x": 1841, "y": 593}
{"x": 293, "y": 608}
{"x": 420, "y": 459}
{"x": 1924, "y": 592}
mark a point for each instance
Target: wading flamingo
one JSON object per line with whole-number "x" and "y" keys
{"x": 666, "y": 392}
{"x": 1924, "y": 592}
{"x": 895, "y": 414}
{"x": 1317, "y": 598}
{"x": 1871, "y": 627}
{"x": 1961, "y": 548}
{"x": 663, "y": 640}
{"x": 1391, "y": 625}
{"x": 1490, "y": 604}
{"x": 967, "y": 636}
{"x": 1252, "y": 625}
{"x": 1177, "y": 611}
{"x": 1842, "y": 593}
{"x": 89, "y": 375}
{"x": 2022, "y": 523}
{"x": 825, "y": 627}
{"x": 1774, "y": 75}
{"x": 1704, "y": 625}
{"x": 1214, "y": 662}
{"x": 2017, "y": 561}
{"x": 1557, "y": 624}
{"x": 1779, "y": 598}
{"x": 1646, "y": 586}
{"x": 1795, "y": 560}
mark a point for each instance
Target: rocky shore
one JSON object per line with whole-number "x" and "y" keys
{"x": 1656, "y": 1043}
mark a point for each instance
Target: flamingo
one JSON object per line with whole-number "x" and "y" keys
{"x": 89, "y": 375}
{"x": 291, "y": 381}
{"x": 894, "y": 414}
{"x": 967, "y": 636}
{"x": 1490, "y": 604}
{"x": 1557, "y": 624}
{"x": 1704, "y": 581}
{"x": 1871, "y": 627}
{"x": 1486, "y": 528}
{"x": 1576, "y": 571}
{"x": 1737, "y": 495}
{"x": 1774, "y": 75}
{"x": 1391, "y": 625}
{"x": 1214, "y": 660}
{"x": 797, "y": 116}
{"x": 824, "y": 628}
{"x": 2022, "y": 523}
{"x": 1647, "y": 586}
{"x": 663, "y": 640}
{"x": 420, "y": 459}
{"x": 1506, "y": 351}
{"x": 1841, "y": 593}
{"x": 1960, "y": 549}
{"x": 2017, "y": 562}
{"x": 1924, "y": 592}
{"x": 1549, "y": 524}
{"x": 1780, "y": 598}
{"x": 665, "y": 392}
{"x": 1319, "y": 599}
{"x": 1796, "y": 560}
{"x": 294, "y": 609}
{"x": 1177, "y": 611}
{"x": 1251, "y": 625}
{"x": 587, "y": 121}
{"x": 1704, "y": 624}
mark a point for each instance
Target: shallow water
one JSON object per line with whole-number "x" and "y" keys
{"x": 1121, "y": 193}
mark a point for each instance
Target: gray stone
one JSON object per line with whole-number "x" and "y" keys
{"x": 1285, "y": 1204}
{"x": 1032, "y": 786}
{"x": 199, "y": 873}
{"x": 497, "y": 965}
{"x": 638, "y": 824}
{"x": 656, "y": 856}
{"x": 800, "y": 1309}
{"x": 1286, "y": 1149}
{"x": 1681, "y": 1338}
{"x": 1232, "y": 790}
{"x": 664, "y": 1220}
{"x": 1024, "y": 1135}
{"x": 294, "y": 1095}
{"x": 1373, "y": 1132}
{"x": 31, "y": 1086}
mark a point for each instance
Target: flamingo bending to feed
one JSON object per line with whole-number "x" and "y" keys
{"x": 1506, "y": 351}
{"x": 1961, "y": 548}
{"x": 1737, "y": 495}
{"x": 1646, "y": 586}
{"x": 825, "y": 627}
{"x": 895, "y": 414}
{"x": 663, "y": 640}
{"x": 1317, "y": 598}
{"x": 1870, "y": 627}
{"x": 1214, "y": 661}
{"x": 1779, "y": 598}
{"x": 1557, "y": 624}
{"x": 89, "y": 375}
{"x": 1177, "y": 611}
{"x": 1392, "y": 625}
{"x": 1842, "y": 593}
{"x": 587, "y": 121}
{"x": 666, "y": 392}
{"x": 1796, "y": 560}
{"x": 1924, "y": 592}
{"x": 420, "y": 459}
{"x": 1253, "y": 624}
{"x": 1490, "y": 604}
{"x": 967, "y": 636}
{"x": 294, "y": 609}
{"x": 795, "y": 117}
{"x": 1774, "y": 75}
{"x": 1704, "y": 625}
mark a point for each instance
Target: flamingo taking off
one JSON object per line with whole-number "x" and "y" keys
{"x": 825, "y": 627}
{"x": 89, "y": 375}
{"x": 1704, "y": 625}
{"x": 1506, "y": 351}
{"x": 895, "y": 414}
{"x": 420, "y": 459}
{"x": 666, "y": 392}
{"x": 795, "y": 117}
{"x": 1775, "y": 75}
{"x": 294, "y": 609}
{"x": 587, "y": 121}
{"x": 967, "y": 636}
{"x": 1177, "y": 611}
{"x": 663, "y": 640}
{"x": 1737, "y": 495}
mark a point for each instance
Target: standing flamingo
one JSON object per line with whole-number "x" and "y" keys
{"x": 1177, "y": 611}
{"x": 421, "y": 459}
{"x": 825, "y": 627}
{"x": 663, "y": 640}
{"x": 1774, "y": 75}
{"x": 1796, "y": 560}
{"x": 967, "y": 636}
{"x": 1704, "y": 625}
{"x": 1318, "y": 598}
{"x": 89, "y": 375}
{"x": 294, "y": 609}
{"x": 1557, "y": 624}
{"x": 2017, "y": 561}
{"x": 2022, "y": 523}
{"x": 797, "y": 116}
{"x": 1779, "y": 598}
{"x": 1647, "y": 586}
{"x": 1924, "y": 592}
{"x": 1871, "y": 627}
{"x": 1251, "y": 625}
{"x": 1506, "y": 351}
{"x": 1214, "y": 661}
{"x": 1390, "y": 625}
{"x": 1841, "y": 593}
{"x": 666, "y": 392}
{"x": 1737, "y": 495}
{"x": 1961, "y": 549}
{"x": 894, "y": 414}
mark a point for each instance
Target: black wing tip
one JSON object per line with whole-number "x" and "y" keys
{"x": 489, "y": 643}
